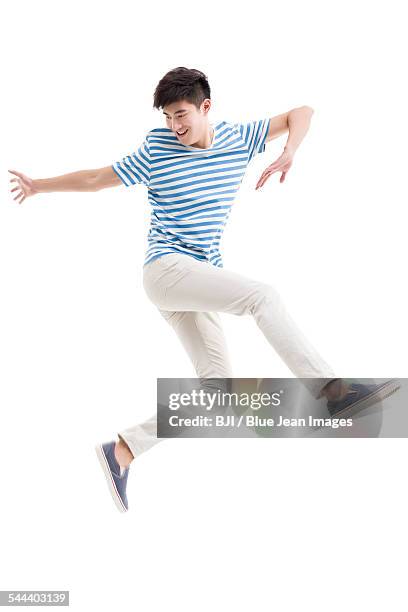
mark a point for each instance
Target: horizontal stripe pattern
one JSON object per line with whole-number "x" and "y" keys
{"x": 191, "y": 190}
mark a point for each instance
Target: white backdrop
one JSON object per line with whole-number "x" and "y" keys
{"x": 222, "y": 524}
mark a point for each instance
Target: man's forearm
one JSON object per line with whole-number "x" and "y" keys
{"x": 298, "y": 123}
{"x": 83, "y": 180}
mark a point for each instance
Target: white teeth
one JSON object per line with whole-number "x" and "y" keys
{"x": 181, "y": 133}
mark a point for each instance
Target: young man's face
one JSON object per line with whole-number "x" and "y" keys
{"x": 187, "y": 121}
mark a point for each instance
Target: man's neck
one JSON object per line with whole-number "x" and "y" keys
{"x": 207, "y": 141}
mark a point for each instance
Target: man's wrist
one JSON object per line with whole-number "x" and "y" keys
{"x": 36, "y": 185}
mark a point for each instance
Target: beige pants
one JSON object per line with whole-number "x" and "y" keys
{"x": 189, "y": 294}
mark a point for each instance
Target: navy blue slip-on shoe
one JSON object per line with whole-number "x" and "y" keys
{"x": 111, "y": 468}
{"x": 361, "y": 396}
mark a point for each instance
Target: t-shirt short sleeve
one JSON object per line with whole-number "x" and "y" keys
{"x": 254, "y": 134}
{"x": 135, "y": 167}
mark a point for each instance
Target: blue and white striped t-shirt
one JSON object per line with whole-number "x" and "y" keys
{"x": 191, "y": 190}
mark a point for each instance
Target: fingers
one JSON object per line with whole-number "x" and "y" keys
{"x": 264, "y": 177}
{"x": 275, "y": 167}
{"x": 16, "y": 173}
{"x": 266, "y": 174}
{"x": 19, "y": 189}
{"x": 18, "y": 180}
{"x": 261, "y": 182}
{"x": 282, "y": 164}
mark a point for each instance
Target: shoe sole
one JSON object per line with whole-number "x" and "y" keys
{"x": 387, "y": 389}
{"x": 108, "y": 476}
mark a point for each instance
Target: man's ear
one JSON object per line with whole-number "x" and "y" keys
{"x": 206, "y": 105}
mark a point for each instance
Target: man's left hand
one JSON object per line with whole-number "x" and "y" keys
{"x": 282, "y": 164}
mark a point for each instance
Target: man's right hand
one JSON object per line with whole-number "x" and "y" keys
{"x": 24, "y": 187}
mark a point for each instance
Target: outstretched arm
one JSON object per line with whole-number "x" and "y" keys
{"x": 83, "y": 180}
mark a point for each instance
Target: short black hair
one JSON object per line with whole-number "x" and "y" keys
{"x": 182, "y": 84}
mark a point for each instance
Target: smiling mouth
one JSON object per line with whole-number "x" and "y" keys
{"x": 182, "y": 134}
